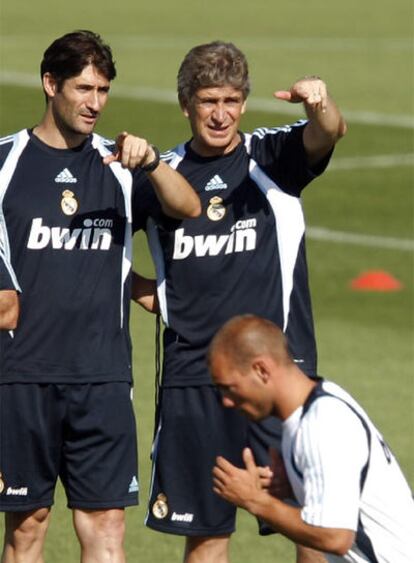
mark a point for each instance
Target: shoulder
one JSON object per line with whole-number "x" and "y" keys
{"x": 7, "y": 279}
{"x": 8, "y": 142}
{"x": 330, "y": 398}
{"x": 102, "y": 144}
{"x": 174, "y": 156}
{"x": 268, "y": 145}
{"x": 278, "y": 132}
{"x": 336, "y": 417}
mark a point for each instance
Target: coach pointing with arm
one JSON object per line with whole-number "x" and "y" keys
{"x": 245, "y": 253}
{"x": 66, "y": 378}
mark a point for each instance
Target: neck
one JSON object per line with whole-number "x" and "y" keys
{"x": 292, "y": 392}
{"x": 205, "y": 150}
{"x": 49, "y": 132}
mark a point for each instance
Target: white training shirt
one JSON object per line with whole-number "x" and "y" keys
{"x": 328, "y": 445}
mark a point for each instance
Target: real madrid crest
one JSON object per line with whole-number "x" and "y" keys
{"x": 216, "y": 209}
{"x": 160, "y": 507}
{"x": 1, "y": 484}
{"x": 69, "y": 203}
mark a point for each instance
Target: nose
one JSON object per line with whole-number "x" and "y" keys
{"x": 219, "y": 112}
{"x": 94, "y": 100}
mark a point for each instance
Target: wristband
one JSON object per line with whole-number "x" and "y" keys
{"x": 152, "y": 165}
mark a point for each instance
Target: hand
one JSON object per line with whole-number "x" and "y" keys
{"x": 280, "y": 486}
{"x": 310, "y": 90}
{"x": 131, "y": 151}
{"x": 238, "y": 486}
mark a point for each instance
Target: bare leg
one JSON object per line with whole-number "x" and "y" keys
{"x": 101, "y": 535}
{"x": 24, "y": 536}
{"x": 207, "y": 550}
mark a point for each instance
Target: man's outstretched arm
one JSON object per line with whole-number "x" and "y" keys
{"x": 177, "y": 197}
{"x": 326, "y": 124}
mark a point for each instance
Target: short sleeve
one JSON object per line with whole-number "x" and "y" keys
{"x": 280, "y": 152}
{"x": 6, "y": 281}
{"x": 332, "y": 449}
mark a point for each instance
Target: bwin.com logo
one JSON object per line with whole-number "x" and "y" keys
{"x": 96, "y": 234}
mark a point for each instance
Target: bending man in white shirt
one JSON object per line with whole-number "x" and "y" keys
{"x": 354, "y": 502}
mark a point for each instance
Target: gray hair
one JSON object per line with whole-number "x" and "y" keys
{"x": 212, "y": 65}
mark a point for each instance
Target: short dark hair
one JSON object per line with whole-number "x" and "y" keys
{"x": 244, "y": 337}
{"x": 68, "y": 55}
{"x": 212, "y": 64}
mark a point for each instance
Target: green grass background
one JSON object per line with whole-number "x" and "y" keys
{"x": 364, "y": 52}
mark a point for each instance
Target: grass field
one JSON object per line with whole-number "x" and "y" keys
{"x": 364, "y": 202}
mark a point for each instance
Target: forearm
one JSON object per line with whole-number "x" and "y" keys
{"x": 177, "y": 197}
{"x": 144, "y": 292}
{"x": 326, "y": 122}
{"x": 324, "y": 128}
{"x": 287, "y": 520}
{"x": 9, "y": 309}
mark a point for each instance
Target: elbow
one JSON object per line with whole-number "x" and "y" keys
{"x": 342, "y": 129}
{"x": 196, "y": 209}
{"x": 13, "y": 318}
{"x": 9, "y": 321}
{"x": 337, "y": 132}
{"x": 190, "y": 210}
{"x": 340, "y": 542}
{"x": 13, "y": 321}
{"x": 340, "y": 549}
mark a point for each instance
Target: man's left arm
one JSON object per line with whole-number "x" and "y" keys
{"x": 325, "y": 123}
{"x": 144, "y": 292}
{"x": 9, "y": 309}
{"x": 9, "y": 299}
{"x": 176, "y": 196}
{"x": 242, "y": 487}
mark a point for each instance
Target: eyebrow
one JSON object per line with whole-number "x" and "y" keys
{"x": 215, "y": 97}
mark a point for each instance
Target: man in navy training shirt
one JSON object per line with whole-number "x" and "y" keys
{"x": 66, "y": 378}
{"x": 245, "y": 253}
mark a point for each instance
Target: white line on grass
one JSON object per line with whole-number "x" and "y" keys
{"x": 376, "y": 161}
{"x": 259, "y": 104}
{"x": 165, "y": 42}
{"x": 320, "y": 233}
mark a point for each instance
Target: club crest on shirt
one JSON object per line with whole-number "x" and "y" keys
{"x": 160, "y": 507}
{"x": 69, "y": 203}
{"x": 216, "y": 209}
{"x": 1, "y": 483}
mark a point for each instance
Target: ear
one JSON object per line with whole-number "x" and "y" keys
{"x": 243, "y": 109}
{"x": 261, "y": 369}
{"x": 184, "y": 107}
{"x": 49, "y": 85}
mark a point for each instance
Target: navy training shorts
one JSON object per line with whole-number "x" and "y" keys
{"x": 194, "y": 428}
{"x": 83, "y": 433}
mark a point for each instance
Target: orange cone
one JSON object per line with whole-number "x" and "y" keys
{"x": 376, "y": 280}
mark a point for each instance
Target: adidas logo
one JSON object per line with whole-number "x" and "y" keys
{"x": 65, "y": 177}
{"x": 133, "y": 486}
{"x": 216, "y": 183}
